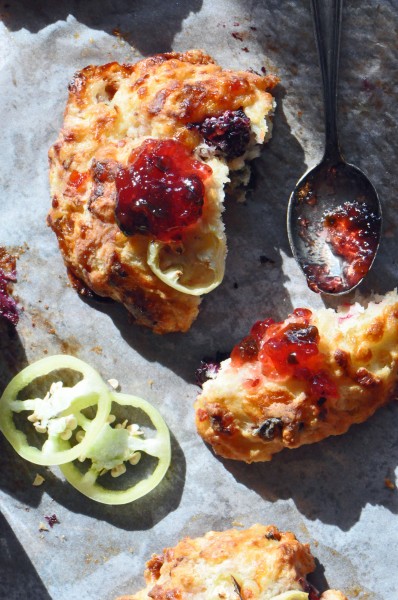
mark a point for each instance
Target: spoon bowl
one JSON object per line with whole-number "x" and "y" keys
{"x": 334, "y": 213}
{"x": 334, "y": 226}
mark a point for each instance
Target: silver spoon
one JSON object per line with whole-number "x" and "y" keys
{"x": 334, "y": 213}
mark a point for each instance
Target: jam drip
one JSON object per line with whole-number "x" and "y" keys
{"x": 229, "y": 133}
{"x": 287, "y": 349}
{"x": 161, "y": 191}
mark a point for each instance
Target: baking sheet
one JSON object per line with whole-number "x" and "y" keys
{"x": 332, "y": 495}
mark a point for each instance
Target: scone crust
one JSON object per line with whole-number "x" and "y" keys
{"x": 361, "y": 357}
{"x": 111, "y": 109}
{"x": 263, "y": 561}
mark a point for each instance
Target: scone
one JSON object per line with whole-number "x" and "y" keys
{"x": 301, "y": 380}
{"x": 259, "y": 563}
{"x": 137, "y": 179}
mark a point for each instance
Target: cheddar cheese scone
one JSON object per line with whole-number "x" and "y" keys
{"x": 259, "y": 563}
{"x": 137, "y": 178}
{"x": 301, "y": 380}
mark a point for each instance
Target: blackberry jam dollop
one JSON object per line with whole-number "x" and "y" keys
{"x": 287, "y": 349}
{"x": 229, "y": 133}
{"x": 161, "y": 192}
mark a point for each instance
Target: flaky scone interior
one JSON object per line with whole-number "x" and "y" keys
{"x": 301, "y": 380}
{"x": 137, "y": 178}
{"x": 259, "y": 563}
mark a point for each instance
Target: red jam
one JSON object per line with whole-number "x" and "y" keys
{"x": 161, "y": 192}
{"x": 352, "y": 234}
{"x": 287, "y": 349}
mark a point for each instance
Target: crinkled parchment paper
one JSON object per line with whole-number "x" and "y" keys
{"x": 332, "y": 494}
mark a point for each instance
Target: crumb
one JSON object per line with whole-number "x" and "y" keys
{"x": 43, "y": 527}
{"x": 237, "y": 36}
{"x": 251, "y": 70}
{"x": 245, "y": 49}
{"x": 367, "y": 85}
{"x": 51, "y": 330}
{"x": 389, "y": 484}
{"x": 150, "y": 382}
{"x": 97, "y": 349}
{"x": 38, "y": 480}
{"x": 113, "y": 383}
{"x": 51, "y": 520}
{"x": 237, "y": 524}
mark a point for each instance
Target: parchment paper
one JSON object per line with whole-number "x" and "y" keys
{"x": 332, "y": 494}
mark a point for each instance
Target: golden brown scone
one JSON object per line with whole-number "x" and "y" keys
{"x": 112, "y": 113}
{"x": 259, "y": 563}
{"x": 302, "y": 380}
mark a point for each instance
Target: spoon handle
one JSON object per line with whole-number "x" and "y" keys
{"x": 327, "y": 22}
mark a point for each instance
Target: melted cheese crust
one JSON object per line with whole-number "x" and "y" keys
{"x": 111, "y": 110}
{"x": 259, "y": 563}
{"x": 360, "y": 346}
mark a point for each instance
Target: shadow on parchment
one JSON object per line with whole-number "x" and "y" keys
{"x": 14, "y": 559}
{"x": 19, "y": 578}
{"x": 149, "y": 27}
{"x": 12, "y": 353}
{"x": 333, "y": 480}
{"x": 17, "y": 475}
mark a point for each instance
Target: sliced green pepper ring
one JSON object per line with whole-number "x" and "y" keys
{"x": 293, "y": 595}
{"x": 116, "y": 445}
{"x": 59, "y": 414}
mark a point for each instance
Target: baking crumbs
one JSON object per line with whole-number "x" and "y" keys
{"x": 237, "y": 524}
{"x": 389, "y": 484}
{"x": 38, "y": 480}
